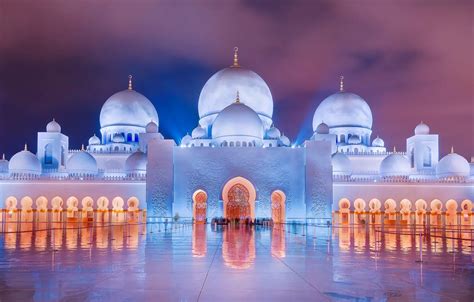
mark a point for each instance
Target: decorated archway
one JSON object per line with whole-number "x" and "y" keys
{"x": 278, "y": 206}
{"x": 199, "y": 206}
{"x": 239, "y": 199}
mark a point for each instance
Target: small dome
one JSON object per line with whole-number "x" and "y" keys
{"x": 82, "y": 163}
{"x": 127, "y": 108}
{"x": 343, "y": 109}
{"x": 94, "y": 140}
{"x": 3, "y": 165}
{"x": 24, "y": 162}
{"x": 136, "y": 162}
{"x": 378, "y": 142}
{"x": 285, "y": 141}
{"x": 186, "y": 140}
{"x": 237, "y": 119}
{"x": 341, "y": 164}
{"x": 199, "y": 132}
{"x": 273, "y": 133}
{"x": 118, "y": 138}
{"x": 422, "y": 129}
{"x": 53, "y": 126}
{"x": 322, "y": 128}
{"x": 395, "y": 164}
{"x": 151, "y": 127}
{"x": 453, "y": 165}
{"x": 354, "y": 140}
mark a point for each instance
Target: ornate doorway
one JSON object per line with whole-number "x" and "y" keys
{"x": 278, "y": 206}
{"x": 239, "y": 196}
{"x": 238, "y": 205}
{"x": 200, "y": 206}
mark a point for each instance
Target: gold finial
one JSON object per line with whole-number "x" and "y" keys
{"x": 26, "y": 147}
{"x": 452, "y": 149}
{"x": 236, "y": 57}
{"x": 82, "y": 147}
{"x": 341, "y": 83}
{"x": 237, "y": 98}
{"x": 130, "y": 82}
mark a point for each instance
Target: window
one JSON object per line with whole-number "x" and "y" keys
{"x": 48, "y": 154}
{"x": 412, "y": 158}
{"x": 129, "y": 137}
{"x": 426, "y": 156}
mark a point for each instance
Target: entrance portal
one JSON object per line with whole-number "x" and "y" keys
{"x": 278, "y": 206}
{"x": 199, "y": 206}
{"x": 239, "y": 196}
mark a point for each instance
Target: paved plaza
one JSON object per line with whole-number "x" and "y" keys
{"x": 182, "y": 262}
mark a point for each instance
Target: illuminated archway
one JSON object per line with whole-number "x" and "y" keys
{"x": 11, "y": 203}
{"x": 199, "y": 206}
{"x": 87, "y": 204}
{"x": 359, "y": 206}
{"x": 26, "y": 203}
{"x": 239, "y": 196}
{"x": 344, "y": 210}
{"x": 133, "y": 203}
{"x": 375, "y": 205}
{"x": 278, "y": 206}
{"x": 390, "y": 206}
{"x": 42, "y": 204}
{"x": 102, "y": 203}
{"x": 117, "y": 204}
{"x": 451, "y": 212}
{"x": 57, "y": 203}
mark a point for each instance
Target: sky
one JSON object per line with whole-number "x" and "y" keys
{"x": 411, "y": 61}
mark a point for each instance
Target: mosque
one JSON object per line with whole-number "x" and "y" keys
{"x": 237, "y": 164}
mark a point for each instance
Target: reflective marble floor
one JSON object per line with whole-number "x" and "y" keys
{"x": 154, "y": 262}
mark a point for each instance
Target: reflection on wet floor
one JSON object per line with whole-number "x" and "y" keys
{"x": 309, "y": 261}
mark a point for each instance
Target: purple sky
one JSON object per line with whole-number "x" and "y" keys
{"x": 411, "y": 61}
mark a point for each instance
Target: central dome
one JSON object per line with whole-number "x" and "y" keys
{"x": 127, "y": 108}
{"x": 237, "y": 120}
{"x": 343, "y": 109}
{"x": 219, "y": 92}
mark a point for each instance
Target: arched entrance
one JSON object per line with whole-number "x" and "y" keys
{"x": 239, "y": 199}
{"x": 278, "y": 206}
{"x": 200, "y": 206}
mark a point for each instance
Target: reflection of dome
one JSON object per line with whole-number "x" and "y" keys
{"x": 322, "y": 128}
{"x": 3, "y": 165}
{"x": 53, "y": 126}
{"x": 421, "y": 129}
{"x": 354, "y": 140}
{"x": 343, "y": 109}
{"x": 273, "y": 133}
{"x": 94, "y": 140}
{"x": 151, "y": 127}
{"x": 238, "y": 120}
{"x": 118, "y": 138}
{"x": 453, "y": 165}
{"x": 395, "y": 164}
{"x": 136, "y": 162}
{"x": 199, "y": 132}
{"x": 285, "y": 141}
{"x": 219, "y": 92}
{"x": 82, "y": 163}
{"x": 186, "y": 140}
{"x": 127, "y": 108}
{"x": 24, "y": 162}
{"x": 341, "y": 164}
{"x": 378, "y": 142}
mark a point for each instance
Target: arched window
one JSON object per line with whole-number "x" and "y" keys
{"x": 63, "y": 154}
{"x": 116, "y": 149}
{"x": 48, "y": 154}
{"x": 231, "y": 144}
{"x": 244, "y": 144}
{"x": 237, "y": 144}
{"x": 343, "y": 138}
{"x": 412, "y": 158}
{"x": 129, "y": 137}
{"x": 426, "y": 156}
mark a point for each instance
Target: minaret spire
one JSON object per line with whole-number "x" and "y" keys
{"x": 341, "y": 83}
{"x": 237, "y": 98}
{"x": 130, "y": 87}
{"x": 236, "y": 57}
{"x": 452, "y": 149}
{"x": 26, "y": 147}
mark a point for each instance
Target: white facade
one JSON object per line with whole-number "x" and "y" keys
{"x": 236, "y": 163}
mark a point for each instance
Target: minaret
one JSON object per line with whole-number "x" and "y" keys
{"x": 341, "y": 83}
{"x": 237, "y": 98}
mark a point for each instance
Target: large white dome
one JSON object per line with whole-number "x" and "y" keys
{"x": 395, "y": 164}
{"x": 343, "y": 109}
{"x": 82, "y": 163}
{"x": 53, "y": 126}
{"x": 136, "y": 163}
{"x": 422, "y": 129}
{"x": 341, "y": 164}
{"x": 127, "y": 108}
{"x": 453, "y": 165}
{"x": 24, "y": 162}
{"x": 219, "y": 92}
{"x": 237, "y": 120}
